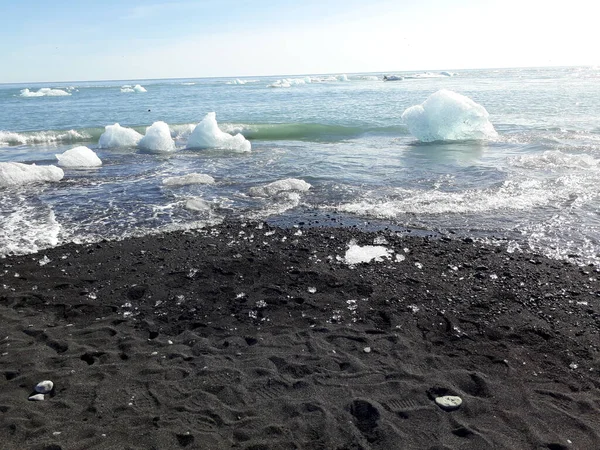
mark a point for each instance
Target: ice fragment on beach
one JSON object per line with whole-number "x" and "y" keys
{"x": 190, "y": 178}
{"x": 157, "y": 138}
{"x": 36, "y": 398}
{"x": 312, "y": 290}
{"x": 400, "y": 258}
{"x": 448, "y": 116}
{"x": 43, "y": 261}
{"x": 79, "y": 157}
{"x": 261, "y": 304}
{"x": 207, "y": 134}
{"x": 357, "y": 254}
{"x": 573, "y": 366}
{"x": 367, "y": 349}
{"x": 418, "y": 265}
{"x": 43, "y": 387}
{"x": 448, "y": 402}
{"x": 380, "y": 240}
{"x": 118, "y": 136}
{"x": 277, "y": 187}
{"x": 413, "y": 308}
{"x": 15, "y": 174}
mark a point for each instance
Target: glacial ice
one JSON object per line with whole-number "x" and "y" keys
{"x": 363, "y": 254}
{"x": 448, "y": 116}
{"x": 44, "y": 92}
{"x": 190, "y": 178}
{"x": 118, "y": 136}
{"x": 157, "y": 138}
{"x": 14, "y": 174}
{"x": 279, "y": 186}
{"x": 79, "y": 157}
{"x": 207, "y": 134}
{"x": 137, "y": 88}
{"x": 342, "y": 77}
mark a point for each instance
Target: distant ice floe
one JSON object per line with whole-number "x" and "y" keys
{"x": 289, "y": 82}
{"x": 357, "y": 254}
{"x": 44, "y": 92}
{"x": 280, "y": 186}
{"x": 118, "y": 136}
{"x": 342, "y": 77}
{"x": 190, "y": 178}
{"x": 16, "y": 174}
{"x": 157, "y": 138}
{"x": 79, "y": 158}
{"x": 237, "y": 81}
{"x": 448, "y": 116}
{"x": 137, "y": 88}
{"x": 207, "y": 134}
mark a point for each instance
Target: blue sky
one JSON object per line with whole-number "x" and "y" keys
{"x": 99, "y": 40}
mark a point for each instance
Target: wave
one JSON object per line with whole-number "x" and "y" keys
{"x": 252, "y": 131}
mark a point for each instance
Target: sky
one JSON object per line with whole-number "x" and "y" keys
{"x": 130, "y": 39}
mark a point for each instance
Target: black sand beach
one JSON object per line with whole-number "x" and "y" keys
{"x": 253, "y": 337}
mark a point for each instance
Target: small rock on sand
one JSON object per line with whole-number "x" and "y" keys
{"x": 43, "y": 387}
{"x": 37, "y": 398}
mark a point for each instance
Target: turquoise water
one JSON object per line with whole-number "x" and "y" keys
{"x": 536, "y": 185}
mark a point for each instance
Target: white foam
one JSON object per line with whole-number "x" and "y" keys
{"x": 342, "y": 77}
{"x": 15, "y": 174}
{"x": 555, "y": 160}
{"x": 289, "y": 82}
{"x": 118, "y": 136}
{"x": 28, "y": 229}
{"x": 157, "y": 138}
{"x": 44, "y": 92}
{"x": 357, "y": 254}
{"x": 279, "y": 186}
{"x": 208, "y": 135}
{"x": 448, "y": 116}
{"x": 190, "y": 178}
{"x": 79, "y": 157}
{"x": 366, "y": 78}
{"x": 237, "y": 81}
{"x": 40, "y": 137}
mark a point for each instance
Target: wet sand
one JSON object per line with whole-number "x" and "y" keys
{"x": 253, "y": 337}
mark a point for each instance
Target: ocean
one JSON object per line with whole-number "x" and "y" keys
{"x": 340, "y": 142}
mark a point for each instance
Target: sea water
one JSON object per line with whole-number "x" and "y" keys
{"x": 337, "y": 145}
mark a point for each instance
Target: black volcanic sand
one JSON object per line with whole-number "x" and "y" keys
{"x": 216, "y": 339}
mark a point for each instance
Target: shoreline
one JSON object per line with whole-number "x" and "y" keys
{"x": 256, "y": 337}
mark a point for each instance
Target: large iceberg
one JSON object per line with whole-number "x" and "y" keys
{"x": 79, "y": 157}
{"x": 118, "y": 136}
{"x": 14, "y": 174}
{"x": 157, "y": 138}
{"x": 448, "y": 116}
{"x": 277, "y": 187}
{"x": 207, "y": 134}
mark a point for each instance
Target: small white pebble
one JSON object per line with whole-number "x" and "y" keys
{"x": 56, "y": 433}
{"x": 573, "y": 365}
{"x": 153, "y": 353}
{"x": 170, "y": 342}
{"x": 367, "y": 349}
{"x": 37, "y": 398}
{"x": 43, "y": 387}
{"x": 312, "y": 290}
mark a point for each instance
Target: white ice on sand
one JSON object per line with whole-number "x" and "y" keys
{"x": 277, "y": 187}
{"x": 157, "y": 138}
{"x": 448, "y": 116}
{"x": 79, "y": 157}
{"x": 44, "y": 92}
{"x": 118, "y": 136}
{"x": 207, "y": 134}
{"x": 357, "y": 254}
{"x": 15, "y": 174}
{"x": 190, "y": 178}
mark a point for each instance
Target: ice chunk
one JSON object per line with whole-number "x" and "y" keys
{"x": 79, "y": 157}
{"x": 448, "y": 116}
{"x": 208, "y": 135}
{"x": 197, "y": 204}
{"x": 118, "y": 136}
{"x": 190, "y": 178}
{"x": 342, "y": 77}
{"x": 14, "y": 174}
{"x": 44, "y": 92}
{"x": 157, "y": 138}
{"x": 357, "y": 254}
{"x": 279, "y": 186}
{"x": 136, "y": 88}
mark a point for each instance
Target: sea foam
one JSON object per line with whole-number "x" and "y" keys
{"x": 44, "y": 92}
{"x": 157, "y": 138}
{"x": 448, "y": 116}
{"x": 137, "y": 88}
{"x": 79, "y": 157}
{"x": 118, "y": 136}
{"x": 277, "y": 187}
{"x": 207, "y": 134}
{"x": 15, "y": 174}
